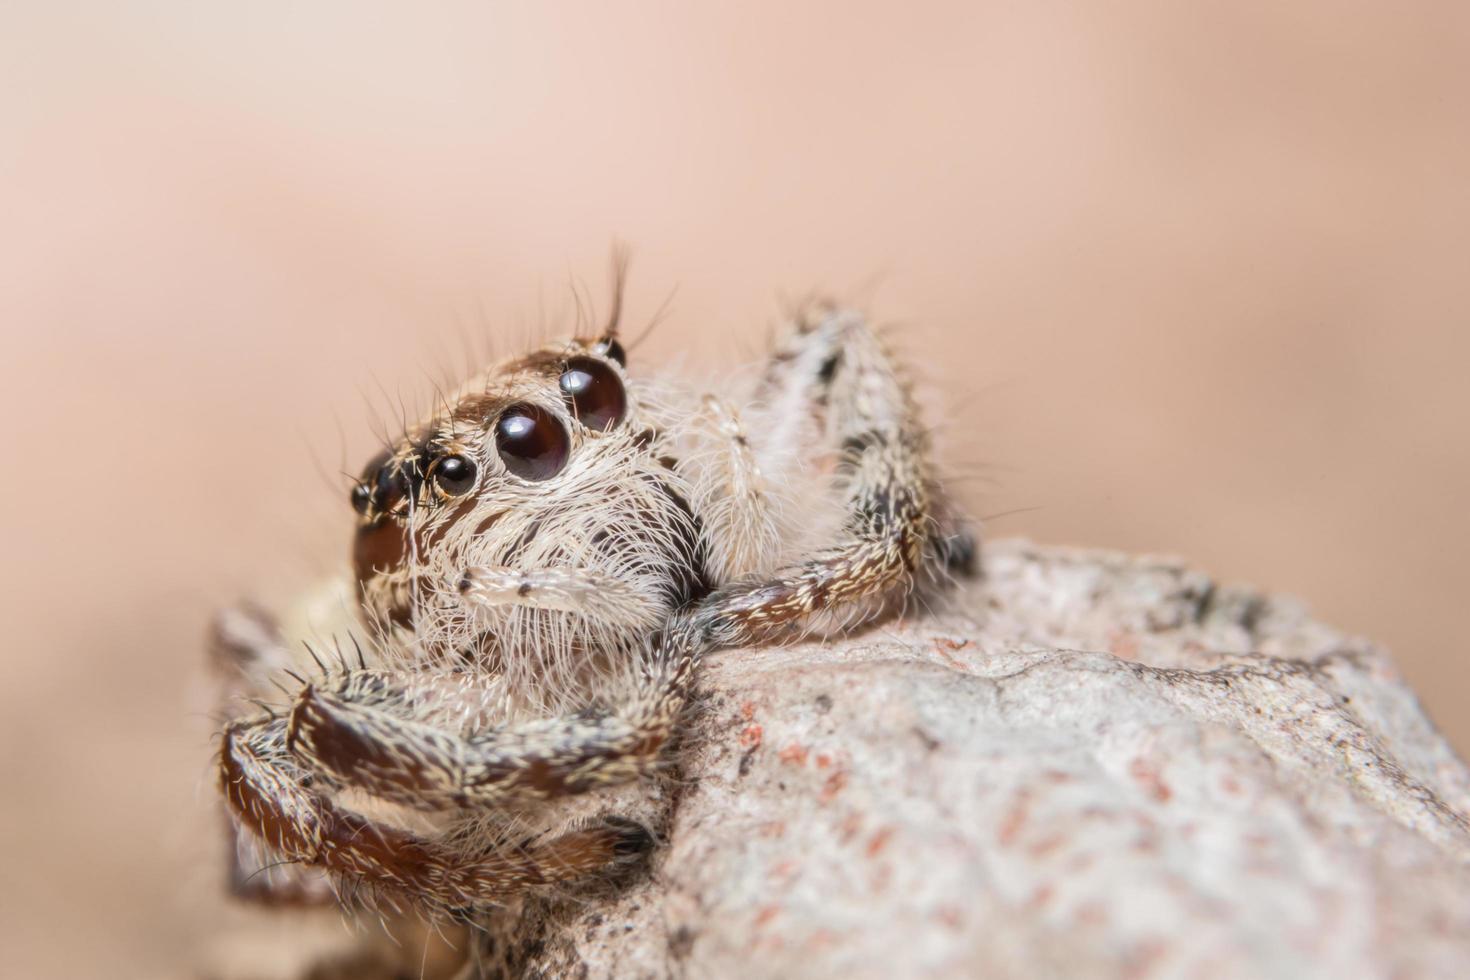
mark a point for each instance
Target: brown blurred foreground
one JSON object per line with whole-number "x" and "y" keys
{"x": 1191, "y": 278}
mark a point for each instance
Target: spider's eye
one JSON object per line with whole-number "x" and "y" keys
{"x": 454, "y": 474}
{"x": 390, "y": 487}
{"x": 533, "y": 444}
{"x": 366, "y": 493}
{"x": 610, "y": 347}
{"x": 382, "y": 486}
{"x": 594, "y": 392}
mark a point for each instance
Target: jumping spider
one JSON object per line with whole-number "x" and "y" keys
{"x": 538, "y": 569}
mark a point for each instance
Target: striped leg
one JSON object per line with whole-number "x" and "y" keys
{"x": 271, "y": 796}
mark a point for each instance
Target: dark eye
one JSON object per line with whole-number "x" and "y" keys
{"x": 390, "y": 487}
{"x": 532, "y": 443}
{"x": 613, "y": 349}
{"x": 454, "y": 475}
{"x": 595, "y": 393}
{"x": 362, "y": 496}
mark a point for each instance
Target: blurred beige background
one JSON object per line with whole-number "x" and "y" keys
{"x": 1193, "y": 277}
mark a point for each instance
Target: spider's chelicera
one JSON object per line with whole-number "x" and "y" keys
{"x": 538, "y": 569}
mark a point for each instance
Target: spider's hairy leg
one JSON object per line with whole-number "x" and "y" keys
{"x": 792, "y": 389}
{"x": 731, "y": 495}
{"x": 270, "y": 794}
{"x": 375, "y": 748}
{"x": 245, "y": 646}
{"x": 370, "y": 737}
{"x": 882, "y": 474}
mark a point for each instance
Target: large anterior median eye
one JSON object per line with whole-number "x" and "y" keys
{"x": 533, "y": 444}
{"x": 594, "y": 392}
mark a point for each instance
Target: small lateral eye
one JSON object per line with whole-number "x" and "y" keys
{"x": 595, "y": 393}
{"x": 365, "y": 493}
{"x": 532, "y": 442}
{"x": 609, "y": 347}
{"x": 455, "y": 475}
{"x": 390, "y": 486}
{"x": 362, "y": 497}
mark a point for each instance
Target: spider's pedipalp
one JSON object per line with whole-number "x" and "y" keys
{"x": 732, "y": 495}
{"x": 600, "y": 596}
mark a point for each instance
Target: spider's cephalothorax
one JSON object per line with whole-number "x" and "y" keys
{"x": 540, "y": 567}
{"x": 538, "y": 527}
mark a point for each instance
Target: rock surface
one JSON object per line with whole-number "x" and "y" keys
{"x": 1093, "y": 766}
{"x": 1090, "y": 766}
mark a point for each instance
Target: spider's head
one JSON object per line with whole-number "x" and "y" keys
{"x": 550, "y": 462}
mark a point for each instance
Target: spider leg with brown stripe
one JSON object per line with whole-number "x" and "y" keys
{"x": 271, "y": 794}
{"x": 882, "y": 470}
{"x": 241, "y": 641}
{"x": 374, "y": 748}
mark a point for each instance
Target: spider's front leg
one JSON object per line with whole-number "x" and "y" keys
{"x": 832, "y": 375}
{"x": 275, "y": 797}
{"x": 288, "y": 829}
{"x": 363, "y": 734}
{"x": 371, "y": 733}
{"x": 245, "y": 645}
{"x": 829, "y": 399}
{"x": 418, "y": 765}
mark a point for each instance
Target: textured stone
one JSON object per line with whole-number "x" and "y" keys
{"x": 1090, "y": 765}
{"x": 1094, "y": 766}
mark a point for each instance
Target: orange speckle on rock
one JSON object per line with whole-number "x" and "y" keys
{"x": 879, "y": 841}
{"x": 1014, "y": 820}
{"x": 784, "y": 871}
{"x": 1046, "y": 845}
{"x": 747, "y": 710}
{"x": 822, "y": 939}
{"x": 1148, "y": 776}
{"x": 794, "y": 754}
{"x": 824, "y": 761}
{"x": 766, "y": 914}
{"x": 946, "y": 647}
{"x": 835, "y": 784}
{"x": 750, "y": 739}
